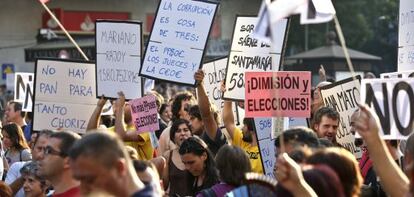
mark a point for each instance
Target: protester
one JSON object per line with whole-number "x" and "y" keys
{"x": 345, "y": 166}
{"x": 14, "y": 177}
{"x": 165, "y": 118}
{"x": 198, "y": 160}
{"x": 232, "y": 163}
{"x": 393, "y": 180}
{"x": 148, "y": 174}
{"x": 107, "y": 168}
{"x": 124, "y": 127}
{"x": 179, "y": 108}
{"x": 175, "y": 168}
{"x": 14, "y": 113}
{"x": 5, "y": 190}
{"x": 325, "y": 123}
{"x": 34, "y": 185}
{"x": 295, "y": 139}
{"x": 54, "y": 164}
{"x": 15, "y": 144}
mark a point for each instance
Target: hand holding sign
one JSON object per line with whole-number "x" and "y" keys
{"x": 199, "y": 76}
{"x": 101, "y": 101}
{"x": 120, "y": 102}
{"x": 367, "y": 123}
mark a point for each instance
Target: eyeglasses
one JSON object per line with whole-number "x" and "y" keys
{"x": 48, "y": 150}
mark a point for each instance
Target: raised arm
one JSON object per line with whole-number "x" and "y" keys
{"x": 228, "y": 117}
{"x": 120, "y": 126}
{"x": 393, "y": 180}
{"x": 207, "y": 115}
{"x": 96, "y": 115}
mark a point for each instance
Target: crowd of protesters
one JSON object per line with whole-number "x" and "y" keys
{"x": 195, "y": 156}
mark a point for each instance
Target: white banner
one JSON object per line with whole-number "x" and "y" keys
{"x": 392, "y": 100}
{"x": 64, "y": 95}
{"x": 249, "y": 54}
{"x": 23, "y": 90}
{"x": 118, "y": 58}
{"x": 402, "y": 74}
{"x": 406, "y": 36}
{"x": 178, "y": 40}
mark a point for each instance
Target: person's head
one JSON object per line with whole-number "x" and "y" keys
{"x": 345, "y": 166}
{"x": 197, "y": 124}
{"x": 159, "y": 99}
{"x": 5, "y": 190}
{"x": 13, "y": 137}
{"x": 100, "y": 162}
{"x": 34, "y": 185}
{"x": 198, "y": 159}
{"x": 180, "y": 131}
{"x": 298, "y": 137}
{"x": 54, "y": 162}
{"x": 232, "y": 163}
{"x": 39, "y": 143}
{"x": 181, "y": 104}
{"x": 326, "y": 122}
{"x": 14, "y": 112}
{"x": 148, "y": 174}
{"x": 165, "y": 112}
{"x": 248, "y": 130}
{"x": 369, "y": 75}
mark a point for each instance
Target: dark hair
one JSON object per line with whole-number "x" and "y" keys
{"x": 17, "y": 106}
{"x": 31, "y": 169}
{"x": 324, "y": 181}
{"x": 345, "y": 166}
{"x": 105, "y": 148}
{"x": 67, "y": 139}
{"x": 44, "y": 132}
{"x": 176, "y": 105}
{"x": 163, "y": 107}
{"x": 16, "y": 136}
{"x": 198, "y": 147}
{"x": 232, "y": 164}
{"x": 325, "y": 111}
{"x": 249, "y": 122}
{"x": 195, "y": 111}
{"x": 299, "y": 136}
{"x": 175, "y": 125}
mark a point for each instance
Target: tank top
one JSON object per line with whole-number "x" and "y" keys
{"x": 179, "y": 180}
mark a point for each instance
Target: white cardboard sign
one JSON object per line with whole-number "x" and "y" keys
{"x": 406, "y": 36}
{"x": 118, "y": 58}
{"x": 178, "y": 40}
{"x": 249, "y": 54}
{"x": 392, "y": 100}
{"x": 23, "y": 90}
{"x": 64, "y": 95}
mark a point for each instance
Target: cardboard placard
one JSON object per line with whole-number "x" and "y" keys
{"x": 402, "y": 74}
{"x": 178, "y": 40}
{"x": 278, "y": 94}
{"x": 64, "y": 94}
{"x": 249, "y": 54}
{"x": 344, "y": 97}
{"x": 23, "y": 90}
{"x": 215, "y": 72}
{"x": 145, "y": 113}
{"x": 406, "y": 36}
{"x": 118, "y": 58}
{"x": 392, "y": 100}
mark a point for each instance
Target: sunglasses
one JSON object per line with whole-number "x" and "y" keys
{"x": 48, "y": 150}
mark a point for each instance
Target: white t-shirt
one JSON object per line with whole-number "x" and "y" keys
{"x": 14, "y": 173}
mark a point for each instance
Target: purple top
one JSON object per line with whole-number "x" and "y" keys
{"x": 220, "y": 189}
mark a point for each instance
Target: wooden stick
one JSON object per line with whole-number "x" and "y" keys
{"x": 343, "y": 45}
{"x": 64, "y": 30}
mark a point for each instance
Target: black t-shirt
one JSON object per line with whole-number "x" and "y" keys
{"x": 216, "y": 144}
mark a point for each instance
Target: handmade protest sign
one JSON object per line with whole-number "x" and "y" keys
{"x": 145, "y": 114}
{"x": 344, "y": 97}
{"x": 391, "y": 99}
{"x": 64, "y": 94}
{"x": 178, "y": 40}
{"x": 278, "y": 94}
{"x": 402, "y": 74}
{"x": 406, "y": 36}
{"x": 249, "y": 54}
{"x": 266, "y": 140}
{"x": 215, "y": 72}
{"x": 118, "y": 58}
{"x": 23, "y": 90}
